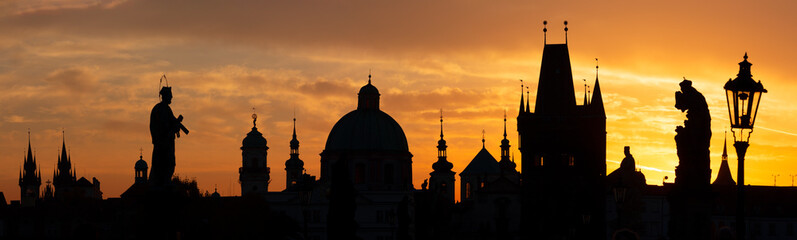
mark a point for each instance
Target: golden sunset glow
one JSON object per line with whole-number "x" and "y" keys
{"x": 91, "y": 68}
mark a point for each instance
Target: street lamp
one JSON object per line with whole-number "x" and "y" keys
{"x": 743, "y": 95}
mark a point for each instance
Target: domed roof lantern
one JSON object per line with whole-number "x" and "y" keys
{"x": 141, "y": 164}
{"x": 254, "y": 139}
{"x": 368, "y": 97}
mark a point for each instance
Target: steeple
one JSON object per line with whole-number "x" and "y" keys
{"x": 528, "y": 105}
{"x": 442, "y": 164}
{"x": 441, "y": 180}
{"x": 507, "y": 165}
{"x": 505, "y": 143}
{"x": 29, "y": 180}
{"x": 522, "y": 108}
{"x": 597, "y": 99}
{"x": 724, "y": 177}
{"x": 294, "y": 167}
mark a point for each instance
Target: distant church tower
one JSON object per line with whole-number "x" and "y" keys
{"x": 29, "y": 180}
{"x": 64, "y": 177}
{"x": 141, "y": 170}
{"x": 294, "y": 167}
{"x": 508, "y": 167}
{"x": 563, "y": 147}
{"x": 442, "y": 178}
{"x": 254, "y": 173}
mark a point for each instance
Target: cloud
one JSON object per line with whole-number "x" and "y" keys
{"x": 75, "y": 80}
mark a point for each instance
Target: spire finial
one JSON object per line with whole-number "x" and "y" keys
{"x": 596, "y": 68}
{"x": 504, "y": 123}
{"x": 441, "y": 123}
{"x": 254, "y": 117}
{"x": 745, "y": 55}
{"x": 545, "y": 32}
{"x": 482, "y": 138}
{"x": 565, "y": 31}
{"x": 369, "y": 76}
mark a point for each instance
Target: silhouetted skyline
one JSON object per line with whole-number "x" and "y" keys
{"x": 93, "y": 73}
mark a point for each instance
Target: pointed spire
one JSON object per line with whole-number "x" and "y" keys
{"x": 725, "y": 148}
{"x": 528, "y": 109}
{"x": 30, "y": 153}
{"x": 597, "y": 98}
{"x": 585, "y": 92}
{"x": 521, "y": 98}
{"x": 724, "y": 176}
{"x": 441, "y": 124}
{"x": 369, "y": 76}
{"x": 504, "y": 123}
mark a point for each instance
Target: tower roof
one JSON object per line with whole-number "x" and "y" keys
{"x": 254, "y": 139}
{"x": 483, "y": 163}
{"x": 724, "y": 177}
{"x": 367, "y": 127}
{"x": 555, "y": 94}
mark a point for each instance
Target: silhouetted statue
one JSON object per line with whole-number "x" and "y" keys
{"x": 690, "y": 198}
{"x": 164, "y": 127}
{"x": 693, "y": 139}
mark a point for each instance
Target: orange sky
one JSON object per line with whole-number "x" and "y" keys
{"x": 92, "y": 68}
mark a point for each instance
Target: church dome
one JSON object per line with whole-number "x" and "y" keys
{"x": 254, "y": 139}
{"x": 368, "y": 89}
{"x": 141, "y": 164}
{"x": 367, "y": 130}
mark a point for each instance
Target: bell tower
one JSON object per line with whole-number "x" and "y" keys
{"x": 254, "y": 173}
{"x": 442, "y": 178}
{"x": 141, "y": 169}
{"x": 294, "y": 167}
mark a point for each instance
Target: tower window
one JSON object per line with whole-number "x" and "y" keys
{"x": 571, "y": 161}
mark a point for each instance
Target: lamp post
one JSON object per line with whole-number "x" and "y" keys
{"x": 743, "y": 95}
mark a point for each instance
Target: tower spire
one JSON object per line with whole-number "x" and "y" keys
{"x": 441, "y": 123}
{"x": 725, "y": 148}
{"x": 369, "y": 76}
{"x": 521, "y": 98}
{"x": 528, "y": 97}
{"x": 504, "y": 123}
{"x": 585, "y": 92}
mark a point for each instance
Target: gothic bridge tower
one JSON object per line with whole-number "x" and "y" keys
{"x": 563, "y": 147}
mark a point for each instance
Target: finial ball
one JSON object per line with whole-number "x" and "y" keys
{"x": 545, "y": 22}
{"x": 565, "y": 22}
{"x": 254, "y": 116}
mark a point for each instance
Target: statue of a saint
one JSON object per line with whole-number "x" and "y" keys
{"x": 164, "y": 127}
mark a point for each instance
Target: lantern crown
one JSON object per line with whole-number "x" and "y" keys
{"x": 743, "y": 95}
